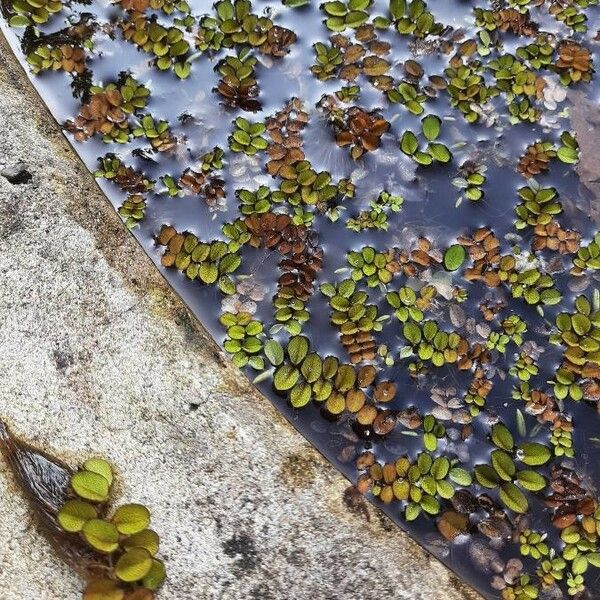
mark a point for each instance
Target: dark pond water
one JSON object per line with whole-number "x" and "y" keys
{"x": 199, "y": 120}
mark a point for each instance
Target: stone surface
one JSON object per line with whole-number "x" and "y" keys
{"x": 98, "y": 356}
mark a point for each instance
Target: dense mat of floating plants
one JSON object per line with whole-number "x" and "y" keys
{"x": 375, "y": 207}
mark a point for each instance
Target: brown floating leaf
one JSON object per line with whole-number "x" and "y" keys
{"x": 451, "y": 524}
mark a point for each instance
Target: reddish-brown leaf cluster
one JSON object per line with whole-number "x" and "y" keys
{"x": 278, "y": 42}
{"x": 553, "y": 237}
{"x": 134, "y": 5}
{"x": 574, "y": 58}
{"x": 303, "y": 258}
{"x": 484, "y": 249}
{"x": 210, "y": 188}
{"x": 360, "y": 346}
{"x": 569, "y": 497}
{"x": 72, "y": 60}
{"x": 412, "y": 262}
{"x": 490, "y": 309}
{"x": 241, "y": 95}
{"x": 100, "y": 115}
{"x": 364, "y": 57}
{"x": 130, "y": 180}
{"x": 535, "y": 160}
{"x": 360, "y": 130}
{"x": 284, "y": 129}
{"x": 510, "y": 19}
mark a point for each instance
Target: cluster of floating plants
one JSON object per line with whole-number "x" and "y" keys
{"x": 384, "y": 212}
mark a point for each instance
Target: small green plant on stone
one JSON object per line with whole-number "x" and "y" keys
{"x": 290, "y": 311}
{"x": 156, "y": 132}
{"x": 532, "y": 543}
{"x": 579, "y": 333}
{"x": 409, "y": 95}
{"x": 568, "y": 150}
{"x": 371, "y": 265}
{"x": 123, "y": 541}
{"x": 433, "y": 431}
{"x": 467, "y": 89}
{"x": 231, "y": 24}
{"x": 524, "y": 367}
{"x": 167, "y": 44}
{"x": 421, "y": 483}
{"x": 133, "y": 210}
{"x": 256, "y": 202}
{"x": 588, "y": 257}
{"x": 208, "y": 262}
{"x": 404, "y": 303}
{"x": 350, "y": 313}
{"x": 513, "y": 329}
{"x": 302, "y": 184}
{"x": 172, "y": 188}
{"x": 431, "y": 344}
{"x": 328, "y": 59}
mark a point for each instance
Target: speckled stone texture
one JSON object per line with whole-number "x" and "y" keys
{"x": 98, "y": 356}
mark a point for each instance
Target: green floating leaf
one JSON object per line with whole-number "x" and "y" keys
{"x": 409, "y": 143}
{"x": 454, "y": 257}
{"x": 156, "y": 575}
{"x": 486, "y": 476}
{"x": 412, "y": 333}
{"x": 274, "y": 352}
{"x": 580, "y": 565}
{"x": 502, "y": 437}
{"x": 147, "y": 539}
{"x": 298, "y": 349}
{"x": 440, "y": 153}
{"x": 503, "y": 465}
{"x": 513, "y": 498}
{"x": 285, "y": 378}
{"x": 532, "y": 481}
{"x": 460, "y": 476}
{"x": 534, "y": 454}
{"x": 568, "y": 155}
{"x": 413, "y": 510}
{"x": 432, "y": 126}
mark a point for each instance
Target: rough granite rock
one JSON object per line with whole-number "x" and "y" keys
{"x": 98, "y": 356}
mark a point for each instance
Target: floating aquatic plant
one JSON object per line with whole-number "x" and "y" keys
{"x": 301, "y": 173}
